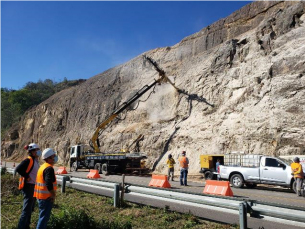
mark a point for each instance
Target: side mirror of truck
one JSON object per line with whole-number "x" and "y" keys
{"x": 283, "y": 166}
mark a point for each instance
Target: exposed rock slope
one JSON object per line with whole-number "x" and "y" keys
{"x": 244, "y": 85}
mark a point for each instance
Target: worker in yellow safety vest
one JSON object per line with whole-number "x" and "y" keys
{"x": 45, "y": 187}
{"x": 184, "y": 165}
{"x": 170, "y": 163}
{"x": 27, "y": 170}
{"x": 298, "y": 174}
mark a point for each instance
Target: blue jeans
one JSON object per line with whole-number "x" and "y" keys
{"x": 183, "y": 176}
{"x": 45, "y": 207}
{"x": 28, "y": 206}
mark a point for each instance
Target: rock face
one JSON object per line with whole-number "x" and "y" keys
{"x": 243, "y": 83}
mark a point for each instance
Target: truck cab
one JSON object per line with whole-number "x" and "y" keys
{"x": 275, "y": 170}
{"x": 77, "y": 156}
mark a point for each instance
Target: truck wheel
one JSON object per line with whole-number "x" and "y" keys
{"x": 237, "y": 181}
{"x": 74, "y": 167}
{"x": 208, "y": 175}
{"x": 251, "y": 185}
{"x": 105, "y": 169}
{"x": 97, "y": 167}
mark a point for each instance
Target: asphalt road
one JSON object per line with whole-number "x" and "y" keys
{"x": 261, "y": 193}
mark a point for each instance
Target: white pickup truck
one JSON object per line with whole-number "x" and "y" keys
{"x": 251, "y": 170}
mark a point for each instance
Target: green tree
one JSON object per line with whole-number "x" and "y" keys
{"x": 14, "y": 103}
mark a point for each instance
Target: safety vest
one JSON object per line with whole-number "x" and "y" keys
{"x": 297, "y": 170}
{"x": 41, "y": 191}
{"x": 170, "y": 162}
{"x": 29, "y": 168}
{"x": 183, "y": 162}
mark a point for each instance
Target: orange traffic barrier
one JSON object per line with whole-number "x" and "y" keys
{"x": 159, "y": 181}
{"x": 61, "y": 170}
{"x": 215, "y": 187}
{"x": 93, "y": 174}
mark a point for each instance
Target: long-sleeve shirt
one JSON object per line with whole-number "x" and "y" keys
{"x": 22, "y": 167}
{"x": 49, "y": 177}
{"x": 170, "y": 162}
{"x": 297, "y": 170}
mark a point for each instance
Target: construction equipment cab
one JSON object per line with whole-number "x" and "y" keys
{"x": 208, "y": 165}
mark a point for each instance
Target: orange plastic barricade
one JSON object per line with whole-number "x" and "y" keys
{"x": 61, "y": 170}
{"x": 93, "y": 174}
{"x": 159, "y": 181}
{"x": 221, "y": 188}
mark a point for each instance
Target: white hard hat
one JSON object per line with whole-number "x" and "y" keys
{"x": 47, "y": 153}
{"x": 32, "y": 146}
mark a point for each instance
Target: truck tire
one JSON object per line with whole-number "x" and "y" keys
{"x": 208, "y": 175}
{"x": 237, "y": 181}
{"x": 294, "y": 186}
{"x": 74, "y": 167}
{"x": 98, "y": 167}
{"x": 105, "y": 169}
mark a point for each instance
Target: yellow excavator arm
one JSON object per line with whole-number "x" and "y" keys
{"x": 94, "y": 143}
{"x": 94, "y": 140}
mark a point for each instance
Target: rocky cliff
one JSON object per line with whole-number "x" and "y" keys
{"x": 243, "y": 83}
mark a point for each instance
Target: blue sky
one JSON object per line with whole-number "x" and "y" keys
{"x": 77, "y": 40}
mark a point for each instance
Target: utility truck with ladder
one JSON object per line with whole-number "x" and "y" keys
{"x": 81, "y": 156}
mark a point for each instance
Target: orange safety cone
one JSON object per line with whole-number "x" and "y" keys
{"x": 61, "y": 170}
{"x": 93, "y": 174}
{"x": 159, "y": 181}
{"x": 221, "y": 188}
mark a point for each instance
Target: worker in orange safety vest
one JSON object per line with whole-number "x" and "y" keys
{"x": 298, "y": 174}
{"x": 45, "y": 187}
{"x": 27, "y": 170}
{"x": 184, "y": 165}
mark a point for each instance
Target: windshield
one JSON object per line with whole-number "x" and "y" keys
{"x": 286, "y": 161}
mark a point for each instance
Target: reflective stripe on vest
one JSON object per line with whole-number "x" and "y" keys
{"x": 41, "y": 191}
{"x": 21, "y": 179}
{"x": 183, "y": 162}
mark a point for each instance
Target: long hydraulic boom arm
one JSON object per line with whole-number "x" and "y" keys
{"x": 94, "y": 143}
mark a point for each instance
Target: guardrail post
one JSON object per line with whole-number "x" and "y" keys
{"x": 122, "y": 190}
{"x": 243, "y": 215}
{"x": 63, "y": 185}
{"x": 116, "y": 195}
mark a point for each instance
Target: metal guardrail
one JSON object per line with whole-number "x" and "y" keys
{"x": 238, "y": 205}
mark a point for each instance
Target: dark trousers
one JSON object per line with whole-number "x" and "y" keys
{"x": 170, "y": 173}
{"x": 183, "y": 177}
{"x": 45, "y": 207}
{"x": 28, "y": 206}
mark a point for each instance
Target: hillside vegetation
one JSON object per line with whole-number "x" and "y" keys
{"x": 14, "y": 103}
{"x": 78, "y": 210}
